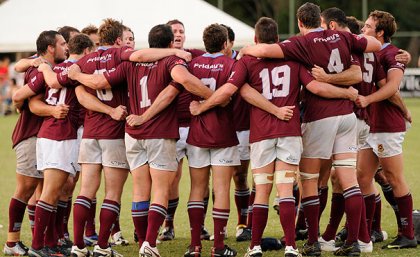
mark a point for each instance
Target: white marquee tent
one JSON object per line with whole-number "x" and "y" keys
{"x": 22, "y": 20}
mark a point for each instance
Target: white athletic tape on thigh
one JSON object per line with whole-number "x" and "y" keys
{"x": 263, "y": 178}
{"x": 307, "y": 176}
{"x": 285, "y": 176}
{"x": 346, "y": 163}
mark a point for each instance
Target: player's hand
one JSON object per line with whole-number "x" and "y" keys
{"x": 403, "y": 57}
{"x": 60, "y": 111}
{"x": 187, "y": 56}
{"x": 362, "y": 101}
{"x": 43, "y": 66}
{"x": 319, "y": 74}
{"x": 119, "y": 113}
{"x": 242, "y": 52}
{"x": 135, "y": 120}
{"x": 285, "y": 112}
{"x": 73, "y": 71}
{"x": 37, "y": 61}
{"x": 353, "y": 93}
{"x": 195, "y": 108}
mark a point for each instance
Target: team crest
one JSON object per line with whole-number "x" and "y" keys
{"x": 380, "y": 148}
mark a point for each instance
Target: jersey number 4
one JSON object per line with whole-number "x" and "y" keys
{"x": 280, "y": 79}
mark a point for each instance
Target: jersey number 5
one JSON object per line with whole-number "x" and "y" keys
{"x": 280, "y": 76}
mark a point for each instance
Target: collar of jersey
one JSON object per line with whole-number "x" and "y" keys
{"x": 316, "y": 30}
{"x": 104, "y": 47}
{"x": 385, "y": 45}
{"x": 212, "y": 55}
{"x": 71, "y": 60}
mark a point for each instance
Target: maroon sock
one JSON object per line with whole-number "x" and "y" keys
{"x": 364, "y": 232}
{"x": 195, "y": 211}
{"x": 336, "y": 214}
{"x": 90, "y": 222}
{"x": 353, "y": 207}
{"x": 67, "y": 216}
{"x": 206, "y": 205}
{"x": 241, "y": 201}
{"x": 109, "y": 213}
{"x": 369, "y": 210}
{"x": 323, "y": 198}
{"x": 59, "y": 220}
{"x": 377, "y": 217}
{"x": 172, "y": 206}
{"x": 296, "y": 195}
{"x": 405, "y": 207}
{"x": 157, "y": 214}
{"x": 389, "y": 196}
{"x": 31, "y": 217}
{"x": 311, "y": 209}
{"x": 259, "y": 221}
{"x": 116, "y": 227}
{"x": 43, "y": 212}
{"x": 16, "y": 213}
{"x": 139, "y": 213}
{"x": 51, "y": 237}
{"x": 220, "y": 219}
{"x": 287, "y": 213}
{"x": 81, "y": 212}
{"x": 301, "y": 222}
{"x": 250, "y": 204}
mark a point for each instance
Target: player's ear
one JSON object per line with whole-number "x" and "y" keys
{"x": 171, "y": 45}
{"x": 380, "y": 34}
{"x": 119, "y": 41}
{"x": 255, "y": 39}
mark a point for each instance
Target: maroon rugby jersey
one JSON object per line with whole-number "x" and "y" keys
{"x": 145, "y": 82}
{"x": 241, "y": 113}
{"x": 184, "y": 98}
{"x": 330, "y": 50}
{"x": 213, "y": 128}
{"x": 100, "y": 125}
{"x": 279, "y": 82}
{"x": 28, "y": 123}
{"x": 61, "y": 129}
{"x": 386, "y": 117}
{"x": 372, "y": 72}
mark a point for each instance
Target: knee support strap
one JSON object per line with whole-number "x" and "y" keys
{"x": 285, "y": 176}
{"x": 345, "y": 163}
{"x": 307, "y": 176}
{"x": 263, "y": 178}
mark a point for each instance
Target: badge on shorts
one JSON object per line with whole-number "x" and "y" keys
{"x": 380, "y": 148}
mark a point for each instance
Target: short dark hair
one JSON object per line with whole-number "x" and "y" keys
{"x": 354, "y": 24}
{"x": 175, "y": 21}
{"x": 266, "y": 30}
{"x": 334, "y": 14}
{"x": 214, "y": 38}
{"x": 45, "y": 39}
{"x": 310, "y": 15}
{"x": 65, "y": 31}
{"x": 386, "y": 22}
{"x": 231, "y": 33}
{"x": 91, "y": 29}
{"x": 110, "y": 31}
{"x": 79, "y": 43}
{"x": 161, "y": 36}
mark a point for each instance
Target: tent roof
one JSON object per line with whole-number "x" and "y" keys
{"x": 23, "y": 20}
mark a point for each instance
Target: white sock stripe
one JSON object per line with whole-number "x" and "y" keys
{"x": 171, "y": 205}
{"x": 83, "y": 202}
{"x": 45, "y": 206}
{"x": 31, "y": 212}
{"x": 220, "y": 217}
{"x": 94, "y": 200}
{"x": 242, "y": 193}
{"x": 157, "y": 207}
{"x": 287, "y": 199}
{"x": 378, "y": 198}
{"x": 62, "y": 204}
{"x": 19, "y": 200}
{"x": 139, "y": 214}
{"x": 387, "y": 188}
{"x": 366, "y": 196}
{"x": 351, "y": 192}
{"x": 158, "y": 210}
{"x": 261, "y": 206}
{"x": 111, "y": 206}
{"x": 195, "y": 207}
{"x": 190, "y": 204}
{"x": 311, "y": 202}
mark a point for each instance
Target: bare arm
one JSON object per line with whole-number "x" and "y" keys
{"x": 21, "y": 95}
{"x": 161, "y": 102}
{"x": 351, "y": 76}
{"x": 24, "y": 64}
{"x": 40, "y": 108}
{"x": 403, "y": 57}
{"x": 373, "y": 45}
{"x": 94, "y": 81}
{"x": 191, "y": 83}
{"x": 330, "y": 91}
{"x": 50, "y": 76}
{"x": 154, "y": 54}
{"x": 263, "y": 51}
{"x": 253, "y": 97}
{"x": 397, "y": 100}
{"x": 386, "y": 89}
{"x": 219, "y": 97}
{"x": 92, "y": 103}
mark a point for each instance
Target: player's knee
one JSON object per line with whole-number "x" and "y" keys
{"x": 285, "y": 176}
{"x": 263, "y": 178}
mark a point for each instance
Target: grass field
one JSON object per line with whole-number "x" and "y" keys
{"x": 178, "y": 246}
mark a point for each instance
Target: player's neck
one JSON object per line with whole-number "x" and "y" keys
{"x": 49, "y": 58}
{"x": 74, "y": 57}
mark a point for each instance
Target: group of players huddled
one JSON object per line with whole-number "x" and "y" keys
{"x": 319, "y": 105}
